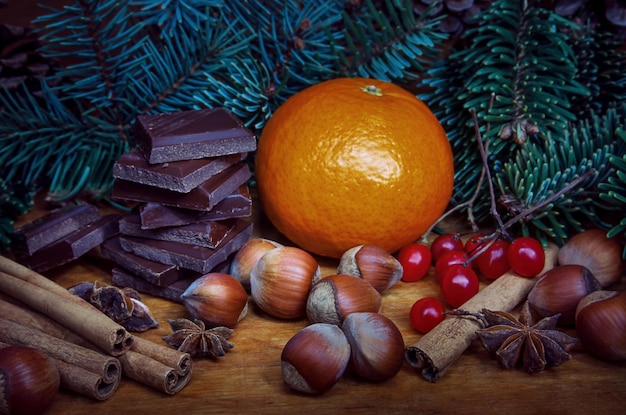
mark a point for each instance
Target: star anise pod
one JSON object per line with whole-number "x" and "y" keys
{"x": 194, "y": 338}
{"x": 536, "y": 345}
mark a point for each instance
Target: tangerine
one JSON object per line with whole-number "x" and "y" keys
{"x": 353, "y": 161}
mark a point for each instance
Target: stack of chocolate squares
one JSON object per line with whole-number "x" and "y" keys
{"x": 61, "y": 236}
{"x": 188, "y": 176}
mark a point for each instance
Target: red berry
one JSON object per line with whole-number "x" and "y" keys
{"x": 526, "y": 256}
{"x": 448, "y": 259}
{"x": 472, "y": 245}
{"x": 458, "y": 285}
{"x": 426, "y": 313}
{"x": 415, "y": 260}
{"x": 494, "y": 262}
{"x": 445, "y": 243}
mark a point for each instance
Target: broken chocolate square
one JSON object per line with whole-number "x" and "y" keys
{"x": 123, "y": 278}
{"x": 192, "y": 257}
{"x": 153, "y": 272}
{"x": 203, "y": 197}
{"x": 55, "y": 225}
{"x": 178, "y": 176}
{"x": 208, "y": 233}
{"x": 192, "y": 134}
{"x": 73, "y": 245}
{"x": 236, "y": 205}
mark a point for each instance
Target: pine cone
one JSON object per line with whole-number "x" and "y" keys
{"x": 20, "y": 60}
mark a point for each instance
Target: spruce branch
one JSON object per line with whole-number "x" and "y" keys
{"x": 540, "y": 170}
{"x": 519, "y": 52}
{"x": 292, "y": 41}
{"x": 531, "y": 75}
{"x": 502, "y": 228}
{"x": 170, "y": 15}
{"x": 394, "y": 45}
{"x": 613, "y": 190}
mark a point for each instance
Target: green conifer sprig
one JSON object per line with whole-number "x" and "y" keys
{"x": 393, "y": 45}
{"x": 527, "y": 72}
{"x": 518, "y": 72}
{"x": 169, "y": 15}
{"x": 291, "y": 44}
{"x": 613, "y": 190}
{"x": 600, "y": 60}
{"x": 540, "y": 169}
{"x": 122, "y": 59}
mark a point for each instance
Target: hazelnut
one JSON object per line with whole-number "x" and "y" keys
{"x": 217, "y": 299}
{"x": 376, "y": 343}
{"x": 372, "y": 263}
{"x": 335, "y": 296}
{"x": 281, "y": 280}
{"x": 315, "y": 358}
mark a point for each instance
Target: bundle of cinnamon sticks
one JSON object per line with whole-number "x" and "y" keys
{"x": 92, "y": 351}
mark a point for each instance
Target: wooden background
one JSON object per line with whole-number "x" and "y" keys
{"x": 247, "y": 380}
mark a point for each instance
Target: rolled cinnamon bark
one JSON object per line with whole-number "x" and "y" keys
{"x": 153, "y": 373}
{"x": 160, "y": 367}
{"x": 173, "y": 358}
{"x": 92, "y": 373}
{"x": 84, "y": 382}
{"x": 81, "y": 381}
{"x": 48, "y": 297}
{"x": 438, "y": 349}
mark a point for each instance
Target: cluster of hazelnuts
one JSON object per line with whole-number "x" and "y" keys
{"x": 346, "y": 327}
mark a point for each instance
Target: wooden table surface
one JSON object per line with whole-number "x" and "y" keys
{"x": 247, "y": 380}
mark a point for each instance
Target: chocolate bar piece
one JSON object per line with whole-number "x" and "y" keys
{"x": 192, "y": 134}
{"x": 203, "y": 197}
{"x": 178, "y": 176}
{"x": 236, "y": 205}
{"x": 208, "y": 234}
{"x": 124, "y": 278}
{"x": 173, "y": 291}
{"x": 73, "y": 245}
{"x": 153, "y": 272}
{"x": 192, "y": 257}
{"x": 55, "y": 225}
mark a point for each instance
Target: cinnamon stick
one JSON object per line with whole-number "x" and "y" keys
{"x": 173, "y": 358}
{"x": 160, "y": 367}
{"x": 153, "y": 373}
{"x": 83, "y": 370}
{"x": 55, "y": 301}
{"x": 438, "y": 349}
{"x": 79, "y": 380}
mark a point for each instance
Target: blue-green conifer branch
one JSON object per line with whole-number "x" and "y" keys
{"x": 549, "y": 92}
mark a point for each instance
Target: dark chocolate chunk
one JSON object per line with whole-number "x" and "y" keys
{"x": 192, "y": 134}
{"x": 124, "y": 278}
{"x": 208, "y": 234}
{"x": 178, "y": 176}
{"x": 55, "y": 225}
{"x": 73, "y": 245}
{"x": 192, "y": 257}
{"x": 153, "y": 272}
{"x": 236, "y": 205}
{"x": 203, "y": 197}
{"x": 173, "y": 291}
